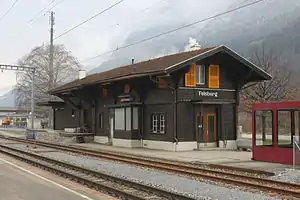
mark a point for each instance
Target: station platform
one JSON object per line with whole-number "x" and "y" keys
{"x": 208, "y": 155}
{"x": 20, "y": 180}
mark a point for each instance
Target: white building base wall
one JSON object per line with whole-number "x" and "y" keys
{"x": 186, "y": 146}
{"x": 101, "y": 139}
{"x": 169, "y": 146}
{"x": 159, "y": 145}
{"x": 207, "y": 144}
{"x": 163, "y": 145}
{"x": 127, "y": 143}
{"x": 231, "y": 144}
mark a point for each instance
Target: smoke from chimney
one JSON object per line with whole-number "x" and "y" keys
{"x": 192, "y": 45}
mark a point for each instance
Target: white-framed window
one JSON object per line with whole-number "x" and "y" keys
{"x": 119, "y": 118}
{"x": 158, "y": 123}
{"x": 135, "y": 118}
{"x": 200, "y": 74}
{"x": 127, "y": 118}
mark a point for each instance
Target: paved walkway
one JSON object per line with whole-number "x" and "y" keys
{"x": 215, "y": 156}
{"x": 20, "y": 181}
{"x": 11, "y": 134}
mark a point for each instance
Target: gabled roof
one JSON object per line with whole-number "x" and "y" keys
{"x": 155, "y": 66}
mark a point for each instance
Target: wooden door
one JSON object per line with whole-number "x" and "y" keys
{"x": 210, "y": 127}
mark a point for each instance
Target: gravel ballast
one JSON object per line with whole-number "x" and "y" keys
{"x": 199, "y": 190}
{"x": 287, "y": 175}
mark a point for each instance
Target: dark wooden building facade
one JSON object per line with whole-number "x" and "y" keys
{"x": 178, "y": 102}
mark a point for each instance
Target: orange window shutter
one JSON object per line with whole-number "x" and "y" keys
{"x": 190, "y": 77}
{"x": 187, "y": 79}
{"x": 213, "y": 76}
{"x": 193, "y": 75}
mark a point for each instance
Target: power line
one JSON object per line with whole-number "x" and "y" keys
{"x": 143, "y": 10}
{"x": 175, "y": 30}
{"x": 52, "y": 1}
{"x": 85, "y": 21}
{"x": 32, "y": 20}
{"x": 161, "y": 1}
{"x": 11, "y": 7}
{"x": 59, "y": 2}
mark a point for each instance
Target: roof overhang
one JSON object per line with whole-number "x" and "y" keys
{"x": 264, "y": 75}
{"x": 261, "y": 74}
{"x": 107, "y": 81}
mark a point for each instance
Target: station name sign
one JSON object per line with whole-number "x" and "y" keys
{"x": 208, "y": 94}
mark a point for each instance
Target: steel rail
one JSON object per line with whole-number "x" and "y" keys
{"x": 138, "y": 160}
{"x": 93, "y": 183}
{"x": 219, "y": 176}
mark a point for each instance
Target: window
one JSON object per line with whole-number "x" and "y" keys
{"x": 287, "y": 126}
{"x": 264, "y": 128}
{"x": 100, "y": 120}
{"x": 200, "y": 74}
{"x": 126, "y": 88}
{"x": 119, "y": 119}
{"x": 126, "y": 118}
{"x": 162, "y": 83}
{"x": 104, "y": 92}
{"x": 135, "y": 118}
{"x": 158, "y": 123}
{"x": 213, "y": 76}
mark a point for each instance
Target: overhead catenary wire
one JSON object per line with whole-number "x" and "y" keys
{"x": 8, "y": 11}
{"x": 42, "y": 10}
{"x": 143, "y": 10}
{"x": 52, "y": 1}
{"x": 90, "y": 18}
{"x": 175, "y": 30}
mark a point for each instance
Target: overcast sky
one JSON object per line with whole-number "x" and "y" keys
{"x": 104, "y": 33}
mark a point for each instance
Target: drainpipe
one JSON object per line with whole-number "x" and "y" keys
{"x": 174, "y": 91}
{"x": 175, "y": 117}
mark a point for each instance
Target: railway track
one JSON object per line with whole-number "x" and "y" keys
{"x": 231, "y": 176}
{"x": 118, "y": 187}
{"x": 142, "y": 161}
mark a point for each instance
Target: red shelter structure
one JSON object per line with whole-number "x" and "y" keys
{"x": 273, "y": 127}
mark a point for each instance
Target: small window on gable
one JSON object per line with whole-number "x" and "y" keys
{"x": 104, "y": 92}
{"x": 190, "y": 77}
{"x": 213, "y": 76}
{"x": 126, "y": 88}
{"x": 162, "y": 83}
{"x": 200, "y": 74}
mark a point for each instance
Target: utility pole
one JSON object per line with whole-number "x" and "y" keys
{"x": 32, "y": 100}
{"x": 51, "y": 70}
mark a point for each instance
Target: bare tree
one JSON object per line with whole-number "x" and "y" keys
{"x": 279, "y": 88}
{"x": 65, "y": 69}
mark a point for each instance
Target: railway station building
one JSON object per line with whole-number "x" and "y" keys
{"x": 179, "y": 102}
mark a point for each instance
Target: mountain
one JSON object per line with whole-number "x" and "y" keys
{"x": 273, "y": 23}
{"x": 8, "y": 99}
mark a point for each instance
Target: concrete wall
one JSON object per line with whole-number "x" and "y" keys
{"x": 52, "y": 136}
